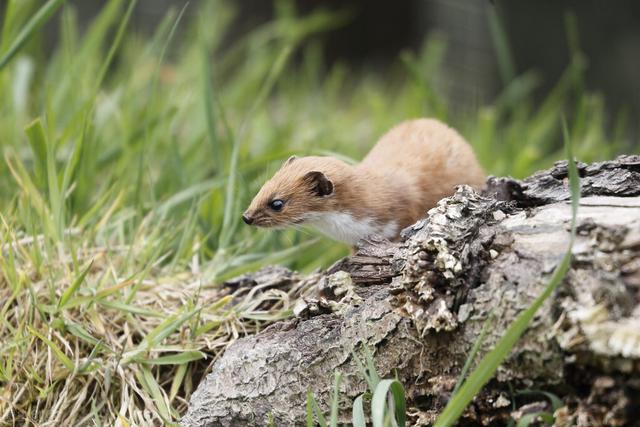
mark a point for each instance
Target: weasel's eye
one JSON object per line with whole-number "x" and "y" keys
{"x": 276, "y": 205}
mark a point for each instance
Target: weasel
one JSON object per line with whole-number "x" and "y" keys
{"x": 406, "y": 173}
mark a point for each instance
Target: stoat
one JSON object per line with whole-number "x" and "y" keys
{"x": 412, "y": 166}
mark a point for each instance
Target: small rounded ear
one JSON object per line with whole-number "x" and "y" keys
{"x": 320, "y": 184}
{"x": 289, "y": 160}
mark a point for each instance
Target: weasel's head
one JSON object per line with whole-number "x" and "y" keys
{"x": 303, "y": 186}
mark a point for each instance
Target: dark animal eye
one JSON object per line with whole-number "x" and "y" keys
{"x": 276, "y": 204}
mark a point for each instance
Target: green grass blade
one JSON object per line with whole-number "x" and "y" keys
{"x": 218, "y": 151}
{"x": 47, "y": 168}
{"x": 80, "y": 332}
{"x": 187, "y": 194}
{"x": 379, "y": 408}
{"x": 37, "y": 141}
{"x": 230, "y": 214}
{"x": 270, "y": 420}
{"x": 274, "y": 74}
{"x": 59, "y": 354}
{"x": 167, "y": 327}
{"x": 506, "y": 64}
{"x": 574, "y": 179}
{"x": 335, "y": 400}
{"x": 316, "y": 410}
{"x": 472, "y": 354}
{"x": 90, "y": 365}
{"x": 71, "y": 290}
{"x": 309, "y": 411}
{"x": 358, "y": 418}
{"x": 247, "y": 262}
{"x": 56, "y": 197}
{"x": 153, "y": 388}
{"x": 115, "y": 44}
{"x": 128, "y": 308}
{"x": 490, "y": 362}
{"x": 71, "y": 167}
{"x": 31, "y": 27}
{"x": 371, "y": 369}
{"x": 363, "y": 371}
{"x": 173, "y": 359}
{"x": 177, "y": 381}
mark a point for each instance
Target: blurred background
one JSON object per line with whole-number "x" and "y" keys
{"x": 373, "y": 34}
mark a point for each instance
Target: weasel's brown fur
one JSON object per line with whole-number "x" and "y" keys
{"x": 412, "y": 166}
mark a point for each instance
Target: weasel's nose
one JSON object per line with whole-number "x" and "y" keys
{"x": 246, "y": 218}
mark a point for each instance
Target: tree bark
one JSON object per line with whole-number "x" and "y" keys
{"x": 421, "y": 303}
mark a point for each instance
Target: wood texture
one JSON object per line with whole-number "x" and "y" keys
{"x": 420, "y": 304}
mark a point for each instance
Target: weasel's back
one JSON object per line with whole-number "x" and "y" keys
{"x": 430, "y": 155}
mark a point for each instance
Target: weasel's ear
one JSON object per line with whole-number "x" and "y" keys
{"x": 290, "y": 160}
{"x": 320, "y": 184}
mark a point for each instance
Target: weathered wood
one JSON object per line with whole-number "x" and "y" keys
{"x": 420, "y": 305}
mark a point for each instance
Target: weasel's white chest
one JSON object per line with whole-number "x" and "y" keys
{"x": 346, "y": 228}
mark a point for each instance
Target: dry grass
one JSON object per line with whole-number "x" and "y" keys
{"x": 107, "y": 342}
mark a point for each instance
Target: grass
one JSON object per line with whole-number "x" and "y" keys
{"x": 127, "y": 159}
{"x": 385, "y": 398}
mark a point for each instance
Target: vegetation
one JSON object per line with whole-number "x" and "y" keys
{"x": 127, "y": 160}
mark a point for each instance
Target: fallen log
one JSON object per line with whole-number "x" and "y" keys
{"x": 420, "y": 304}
